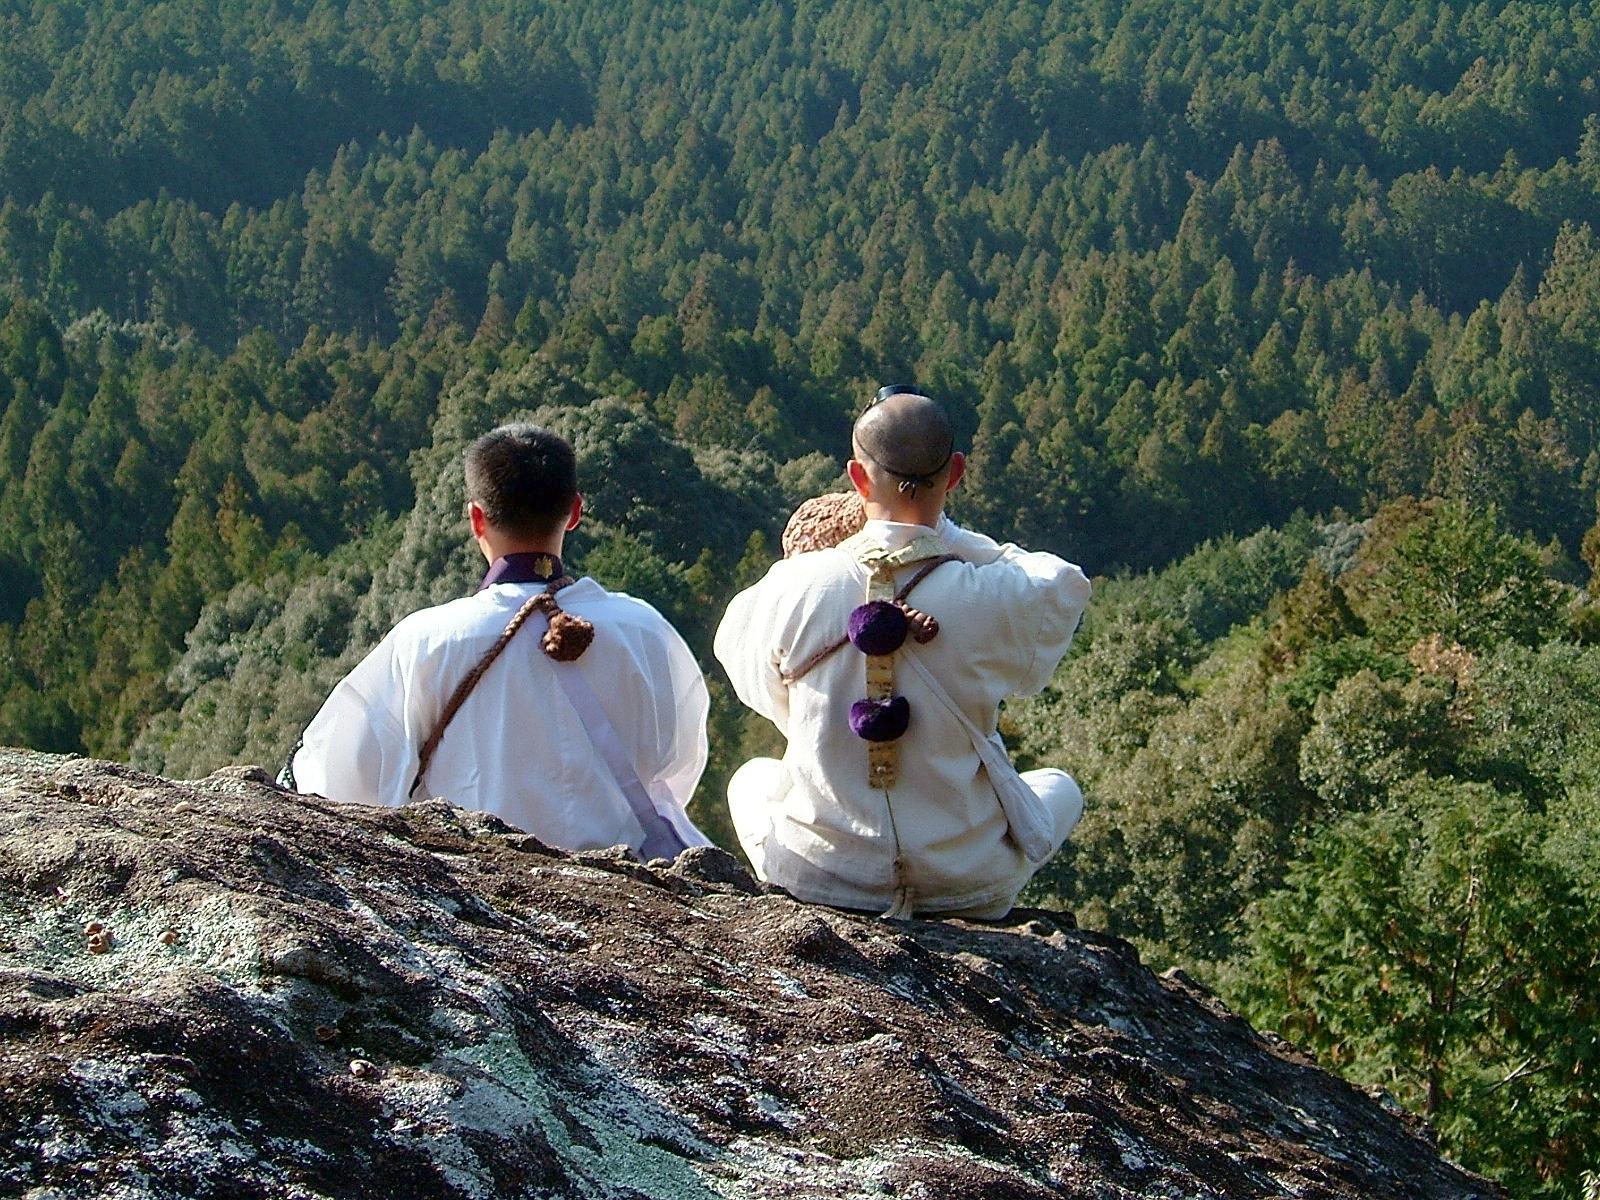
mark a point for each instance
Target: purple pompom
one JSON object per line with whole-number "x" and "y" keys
{"x": 878, "y": 627}
{"x": 880, "y": 720}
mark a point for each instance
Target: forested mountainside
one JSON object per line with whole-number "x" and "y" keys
{"x": 1322, "y": 269}
{"x": 1350, "y": 774}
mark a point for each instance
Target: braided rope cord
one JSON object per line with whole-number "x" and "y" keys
{"x": 545, "y": 602}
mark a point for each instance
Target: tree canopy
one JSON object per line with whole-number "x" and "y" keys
{"x": 1281, "y": 317}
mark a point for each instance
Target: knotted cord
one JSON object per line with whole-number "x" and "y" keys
{"x": 924, "y": 627}
{"x": 566, "y": 640}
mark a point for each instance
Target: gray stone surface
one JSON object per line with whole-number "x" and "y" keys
{"x": 294, "y": 998}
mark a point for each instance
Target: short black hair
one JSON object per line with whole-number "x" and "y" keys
{"x": 524, "y": 478}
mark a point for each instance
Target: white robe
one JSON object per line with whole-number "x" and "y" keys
{"x": 517, "y": 747}
{"x": 813, "y": 825}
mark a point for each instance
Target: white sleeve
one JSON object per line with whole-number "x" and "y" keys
{"x": 969, "y": 545}
{"x": 746, "y": 645}
{"x": 1036, "y": 601}
{"x": 685, "y": 760}
{"x": 356, "y": 748}
{"x": 1046, "y": 612}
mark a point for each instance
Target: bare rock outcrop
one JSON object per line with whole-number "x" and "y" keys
{"x": 219, "y": 989}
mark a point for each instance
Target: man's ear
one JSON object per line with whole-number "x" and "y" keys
{"x": 475, "y": 514}
{"x": 958, "y": 468}
{"x": 859, "y": 479}
{"x": 576, "y": 514}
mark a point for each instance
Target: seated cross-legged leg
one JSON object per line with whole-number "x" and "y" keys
{"x": 1064, "y": 798}
{"x": 1061, "y": 795}
{"x": 751, "y": 793}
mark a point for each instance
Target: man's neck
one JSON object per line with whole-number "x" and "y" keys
{"x": 895, "y": 536}
{"x": 496, "y": 547}
{"x": 904, "y": 514}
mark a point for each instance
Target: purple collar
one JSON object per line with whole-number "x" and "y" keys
{"x": 523, "y": 568}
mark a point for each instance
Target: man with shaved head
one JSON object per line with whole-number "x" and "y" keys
{"x": 883, "y": 660}
{"x": 913, "y": 433}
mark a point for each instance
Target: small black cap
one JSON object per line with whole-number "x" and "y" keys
{"x": 894, "y": 389}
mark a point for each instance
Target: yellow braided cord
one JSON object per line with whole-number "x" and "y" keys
{"x": 883, "y": 758}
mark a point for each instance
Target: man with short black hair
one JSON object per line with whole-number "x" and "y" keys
{"x": 883, "y": 660}
{"x": 524, "y": 479}
{"x": 587, "y": 730}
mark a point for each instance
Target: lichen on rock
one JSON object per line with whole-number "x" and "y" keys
{"x": 425, "y": 1002}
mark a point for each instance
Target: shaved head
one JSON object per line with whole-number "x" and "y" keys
{"x": 907, "y": 437}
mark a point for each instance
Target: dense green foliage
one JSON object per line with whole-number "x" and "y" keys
{"x": 1329, "y": 252}
{"x": 1185, "y": 270}
{"x": 1351, "y": 775}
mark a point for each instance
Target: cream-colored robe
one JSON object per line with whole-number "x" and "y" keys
{"x": 1006, "y": 617}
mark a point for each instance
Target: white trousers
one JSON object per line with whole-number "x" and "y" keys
{"x": 753, "y": 786}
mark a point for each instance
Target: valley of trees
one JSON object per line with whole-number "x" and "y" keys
{"x": 1284, "y": 318}
{"x": 1350, "y": 776}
